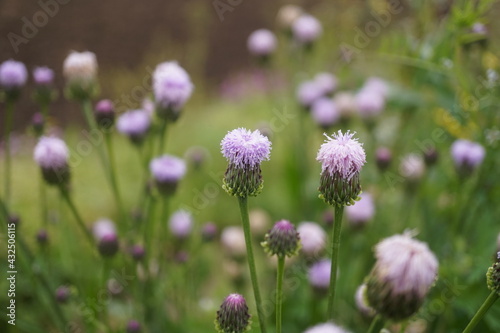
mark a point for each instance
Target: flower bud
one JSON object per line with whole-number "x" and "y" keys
{"x": 467, "y": 156}
{"x": 493, "y": 276}
{"x": 167, "y": 171}
{"x": 282, "y": 240}
{"x": 80, "y": 71}
{"x": 104, "y": 113}
{"x": 52, "y": 155}
{"x": 106, "y": 237}
{"x": 13, "y": 76}
{"x": 134, "y": 124}
{"x": 181, "y": 224}
{"x": 306, "y": 29}
{"x": 233, "y": 315}
{"x": 261, "y": 43}
{"x": 383, "y": 158}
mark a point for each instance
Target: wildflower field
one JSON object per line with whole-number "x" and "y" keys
{"x": 346, "y": 180}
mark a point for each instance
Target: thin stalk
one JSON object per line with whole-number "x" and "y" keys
{"x": 8, "y": 127}
{"x": 67, "y": 198}
{"x": 279, "y": 292}
{"x": 492, "y": 298}
{"x": 251, "y": 261}
{"x": 163, "y": 134}
{"x": 43, "y": 203}
{"x": 89, "y": 117}
{"x": 112, "y": 175}
{"x": 337, "y": 228}
{"x": 377, "y": 324}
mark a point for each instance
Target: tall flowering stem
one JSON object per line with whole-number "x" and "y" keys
{"x": 342, "y": 157}
{"x": 279, "y": 292}
{"x": 67, "y": 198}
{"x": 243, "y": 202}
{"x": 245, "y": 150}
{"x": 337, "y": 227}
{"x": 8, "y": 126}
{"x": 377, "y": 324}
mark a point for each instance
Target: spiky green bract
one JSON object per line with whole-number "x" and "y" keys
{"x": 282, "y": 240}
{"x": 493, "y": 276}
{"x": 336, "y": 190}
{"x": 243, "y": 182}
{"x": 233, "y": 316}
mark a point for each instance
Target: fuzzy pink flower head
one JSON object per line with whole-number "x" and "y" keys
{"x": 369, "y": 103}
{"x": 362, "y": 211}
{"x": 319, "y": 274}
{"x": 308, "y": 92}
{"x": 134, "y": 123}
{"x": 167, "y": 168}
{"x": 43, "y": 76}
{"x": 325, "y": 112}
{"x": 244, "y": 148}
{"x": 51, "y": 153}
{"x": 181, "y": 223}
{"x": 13, "y": 74}
{"x": 412, "y": 167}
{"x": 326, "y": 328}
{"x": 103, "y": 229}
{"x": 80, "y": 66}
{"x": 172, "y": 85}
{"x": 326, "y": 82}
{"x": 261, "y": 42}
{"x": 341, "y": 154}
{"x": 313, "y": 238}
{"x": 306, "y": 29}
{"x": 406, "y": 264}
{"x": 466, "y": 153}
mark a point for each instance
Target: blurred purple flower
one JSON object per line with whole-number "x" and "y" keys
{"x": 319, "y": 274}
{"x": 43, "y": 76}
{"x": 467, "y": 154}
{"x": 324, "y": 112}
{"x": 13, "y": 75}
{"x": 134, "y": 124}
{"x": 306, "y": 29}
{"x": 243, "y": 148}
{"x": 261, "y": 42}
{"x": 172, "y": 86}
{"x": 362, "y": 211}
{"x": 181, "y": 224}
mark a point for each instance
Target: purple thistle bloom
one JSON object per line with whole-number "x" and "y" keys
{"x": 325, "y": 112}
{"x": 43, "y": 76}
{"x": 209, "y": 231}
{"x": 52, "y": 155}
{"x": 233, "y": 316}
{"x": 181, "y": 224}
{"x": 369, "y": 103}
{"x": 326, "y": 83}
{"x": 308, "y": 92}
{"x": 134, "y": 124}
{"x": 312, "y": 238}
{"x": 13, "y": 75}
{"x": 137, "y": 252}
{"x": 107, "y": 239}
{"x": 319, "y": 274}
{"x": 172, "y": 88}
{"x": 467, "y": 155}
{"x": 479, "y": 28}
{"x": 377, "y": 85}
{"x": 404, "y": 272}
{"x": 244, "y": 150}
{"x": 362, "y": 211}
{"x": 133, "y": 326}
{"x": 104, "y": 113}
{"x": 341, "y": 154}
{"x": 342, "y": 158}
{"x": 261, "y": 43}
{"x": 306, "y": 29}
{"x": 167, "y": 171}
{"x": 383, "y": 158}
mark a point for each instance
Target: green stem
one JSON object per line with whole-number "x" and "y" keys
{"x": 251, "y": 262}
{"x": 377, "y": 324}
{"x": 112, "y": 175}
{"x": 43, "y": 203}
{"x": 8, "y": 127}
{"x": 492, "y": 298}
{"x": 87, "y": 110}
{"x": 67, "y": 198}
{"x": 279, "y": 292}
{"x": 163, "y": 133}
{"x": 337, "y": 227}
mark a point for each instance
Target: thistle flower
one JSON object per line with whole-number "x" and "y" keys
{"x": 412, "y": 167}
{"x": 233, "y": 240}
{"x": 52, "y": 155}
{"x": 326, "y": 83}
{"x": 137, "y": 252}
{"x": 133, "y": 326}
{"x": 342, "y": 158}
{"x": 244, "y": 150}
{"x": 362, "y": 301}
{"x": 43, "y": 76}
{"x": 308, "y": 92}
{"x": 80, "y": 71}
{"x": 107, "y": 239}
{"x": 261, "y": 43}
{"x": 209, "y": 231}
{"x": 134, "y": 124}
{"x": 287, "y": 16}
{"x": 181, "y": 224}
{"x": 377, "y": 85}
{"x": 369, "y": 103}
{"x": 493, "y": 276}
{"x": 362, "y": 211}
{"x": 306, "y": 29}
{"x": 282, "y": 240}
{"x": 13, "y": 76}
{"x": 479, "y": 28}
{"x": 383, "y": 158}
{"x": 167, "y": 171}
{"x": 172, "y": 87}
{"x": 326, "y": 328}
{"x": 319, "y": 275}
{"x": 233, "y": 315}
{"x": 38, "y": 123}
{"x": 467, "y": 156}
{"x": 62, "y": 294}
{"x": 324, "y": 112}
{"x": 312, "y": 238}
{"x": 104, "y": 113}
{"x": 404, "y": 272}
